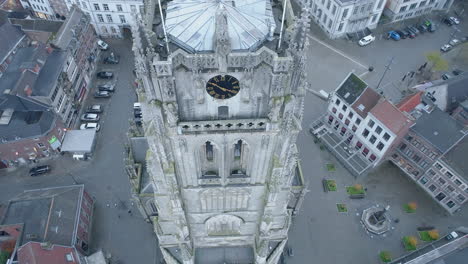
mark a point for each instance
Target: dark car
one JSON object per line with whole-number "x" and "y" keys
{"x": 112, "y": 60}
{"x": 457, "y": 72}
{"x": 432, "y": 27}
{"x": 423, "y": 28}
{"x": 102, "y": 94}
{"x": 107, "y": 87}
{"x": 448, "y": 21}
{"x": 403, "y": 34}
{"x": 96, "y": 108}
{"x": 414, "y": 29}
{"x": 39, "y": 170}
{"x": 105, "y": 75}
{"x": 137, "y": 113}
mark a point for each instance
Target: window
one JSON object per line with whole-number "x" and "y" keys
{"x": 363, "y": 7}
{"x": 238, "y": 150}
{"x": 324, "y": 18}
{"x": 96, "y": 7}
{"x": 450, "y": 188}
{"x": 438, "y": 166}
{"x": 441, "y": 181}
{"x": 365, "y": 151}
{"x": 343, "y": 131}
{"x": 83, "y": 3}
{"x": 334, "y": 9}
{"x": 340, "y": 116}
{"x": 330, "y": 119}
{"x": 403, "y": 9}
{"x": 209, "y": 151}
{"x": 329, "y": 23}
{"x": 355, "y": 10}
{"x": 378, "y": 130}
{"x": 461, "y": 198}
{"x": 369, "y": 6}
{"x": 380, "y": 146}
{"x": 119, "y": 8}
{"x": 406, "y": 1}
{"x": 350, "y": 115}
{"x": 100, "y": 18}
{"x": 413, "y": 6}
{"x": 358, "y": 121}
{"x": 431, "y": 1}
{"x": 105, "y": 7}
{"x": 440, "y": 196}
{"x": 358, "y": 145}
{"x": 109, "y": 18}
{"x": 432, "y": 188}
{"x": 113, "y": 30}
{"x": 344, "y": 107}
{"x": 372, "y": 139}
{"x": 409, "y": 14}
{"x": 423, "y": 180}
{"x": 365, "y": 133}
{"x": 374, "y": 18}
{"x": 371, "y": 123}
{"x": 409, "y": 152}
{"x": 133, "y": 8}
{"x": 122, "y": 19}
{"x": 423, "y": 3}
{"x": 337, "y": 102}
{"x": 431, "y": 172}
{"x": 403, "y": 146}
{"x": 334, "y": 110}
{"x": 328, "y": 5}
{"x": 458, "y": 182}
{"x": 347, "y": 122}
{"x": 345, "y": 13}
{"x": 354, "y": 128}
{"x": 54, "y": 94}
{"x": 416, "y": 158}
{"x": 450, "y": 204}
{"x": 448, "y": 174}
{"x": 380, "y": 4}
{"x": 424, "y": 164}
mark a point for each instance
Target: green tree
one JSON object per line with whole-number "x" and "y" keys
{"x": 437, "y": 62}
{"x": 4, "y": 257}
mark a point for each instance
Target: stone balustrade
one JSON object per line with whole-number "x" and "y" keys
{"x": 222, "y": 125}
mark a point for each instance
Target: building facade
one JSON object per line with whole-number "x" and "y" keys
{"x": 338, "y": 17}
{"x": 110, "y": 17}
{"x": 46, "y": 9}
{"x": 398, "y": 10}
{"x": 221, "y": 115}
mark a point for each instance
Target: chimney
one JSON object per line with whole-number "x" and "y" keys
{"x": 49, "y": 50}
{"x": 37, "y": 68}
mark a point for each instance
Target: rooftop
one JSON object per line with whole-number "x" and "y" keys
{"x": 15, "y": 35}
{"x": 49, "y": 215}
{"x": 49, "y": 73}
{"x": 409, "y": 102}
{"x": 37, "y": 24}
{"x": 366, "y": 102}
{"x": 390, "y": 116}
{"x": 23, "y": 118}
{"x": 192, "y": 24}
{"x": 438, "y": 128}
{"x": 38, "y": 253}
{"x": 351, "y": 88}
{"x": 79, "y": 140}
{"x": 456, "y": 157}
{"x": 70, "y": 29}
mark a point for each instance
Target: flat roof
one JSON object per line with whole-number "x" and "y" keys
{"x": 79, "y": 141}
{"x": 456, "y": 157}
{"x": 192, "y": 24}
{"x": 351, "y": 88}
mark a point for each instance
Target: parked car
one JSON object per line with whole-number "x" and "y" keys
{"x": 96, "y": 108}
{"x": 393, "y": 35}
{"x": 403, "y": 34}
{"x": 102, "y": 94}
{"x": 290, "y": 252}
{"x": 448, "y": 21}
{"x": 414, "y": 29}
{"x": 432, "y": 27}
{"x": 427, "y": 22}
{"x": 39, "y": 170}
{"x": 454, "y": 20}
{"x": 410, "y": 33}
{"x": 137, "y": 106}
{"x": 422, "y": 28}
{"x": 137, "y": 113}
{"x": 464, "y": 39}
{"x": 105, "y": 75}
{"x": 454, "y": 42}
{"x": 452, "y": 235}
{"x": 90, "y": 117}
{"x": 90, "y": 125}
{"x": 457, "y": 72}
{"x": 102, "y": 45}
{"x": 107, "y": 87}
{"x": 112, "y": 60}
{"x": 446, "y": 48}
{"x": 366, "y": 40}
{"x": 446, "y": 76}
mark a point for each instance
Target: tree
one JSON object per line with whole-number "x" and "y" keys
{"x": 437, "y": 62}
{"x": 412, "y": 241}
{"x": 357, "y": 187}
{"x": 434, "y": 234}
{"x": 412, "y": 206}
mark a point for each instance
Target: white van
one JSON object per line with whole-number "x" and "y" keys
{"x": 102, "y": 45}
{"x": 136, "y": 106}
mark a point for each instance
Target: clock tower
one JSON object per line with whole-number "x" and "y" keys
{"x": 222, "y": 106}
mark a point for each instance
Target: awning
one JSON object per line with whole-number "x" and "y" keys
{"x": 54, "y": 143}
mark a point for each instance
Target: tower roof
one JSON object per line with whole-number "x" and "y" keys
{"x": 191, "y": 23}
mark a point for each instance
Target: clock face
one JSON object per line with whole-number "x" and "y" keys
{"x": 222, "y": 86}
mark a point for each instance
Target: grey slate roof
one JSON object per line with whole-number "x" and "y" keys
{"x": 438, "y": 128}
{"x": 37, "y": 24}
{"x": 49, "y": 73}
{"x": 457, "y": 90}
{"x": 29, "y": 119}
{"x": 10, "y": 36}
{"x": 456, "y": 157}
{"x": 49, "y": 214}
{"x": 351, "y": 88}
{"x": 69, "y": 29}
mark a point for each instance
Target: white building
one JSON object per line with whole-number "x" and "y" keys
{"x": 338, "y": 17}
{"x": 403, "y": 9}
{"x": 47, "y": 9}
{"x": 109, "y": 17}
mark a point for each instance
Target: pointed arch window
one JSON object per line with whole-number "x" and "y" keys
{"x": 209, "y": 151}
{"x": 238, "y": 150}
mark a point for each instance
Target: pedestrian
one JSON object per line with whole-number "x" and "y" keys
{"x": 130, "y": 212}
{"x": 108, "y": 205}
{"x": 115, "y": 205}
{"x": 118, "y": 216}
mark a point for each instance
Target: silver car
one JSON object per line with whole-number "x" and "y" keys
{"x": 90, "y": 117}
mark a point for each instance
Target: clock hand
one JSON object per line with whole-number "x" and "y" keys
{"x": 222, "y": 88}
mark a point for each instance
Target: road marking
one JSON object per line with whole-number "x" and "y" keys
{"x": 337, "y": 51}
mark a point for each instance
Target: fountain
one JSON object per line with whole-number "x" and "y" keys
{"x": 375, "y": 220}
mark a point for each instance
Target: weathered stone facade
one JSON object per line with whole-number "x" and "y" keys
{"x": 222, "y": 170}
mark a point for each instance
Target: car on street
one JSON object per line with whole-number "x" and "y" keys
{"x": 90, "y": 117}
{"x": 446, "y": 48}
{"x": 427, "y": 22}
{"x": 414, "y": 29}
{"x": 452, "y": 235}
{"x": 423, "y": 28}
{"x": 366, "y": 40}
{"x": 102, "y": 94}
{"x": 137, "y": 113}
{"x": 448, "y": 21}
{"x": 393, "y": 35}
{"x": 454, "y": 42}
{"x": 96, "y": 108}
{"x": 137, "y": 106}
{"x": 90, "y": 125}
{"x": 403, "y": 33}
{"x": 105, "y": 75}
{"x": 454, "y": 20}
{"x": 446, "y": 76}
{"x": 410, "y": 33}
{"x": 457, "y": 72}
{"x": 39, "y": 170}
{"x": 107, "y": 87}
{"x": 102, "y": 45}
{"x": 432, "y": 27}
{"x": 111, "y": 60}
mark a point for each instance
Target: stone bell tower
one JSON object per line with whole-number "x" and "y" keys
{"x": 221, "y": 112}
